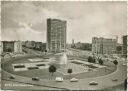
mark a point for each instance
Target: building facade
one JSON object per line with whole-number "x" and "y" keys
{"x": 103, "y": 45}
{"x": 56, "y": 35}
{"x": 124, "y": 46}
{"x": 11, "y": 46}
{"x": 18, "y": 47}
{"x": 1, "y": 47}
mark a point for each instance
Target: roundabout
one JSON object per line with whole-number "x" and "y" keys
{"x": 101, "y": 75}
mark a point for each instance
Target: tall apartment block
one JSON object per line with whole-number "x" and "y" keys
{"x": 103, "y": 45}
{"x": 124, "y": 46}
{"x": 56, "y": 35}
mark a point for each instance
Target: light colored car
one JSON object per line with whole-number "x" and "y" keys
{"x": 115, "y": 79}
{"x": 73, "y": 80}
{"x": 59, "y": 79}
{"x": 93, "y": 83}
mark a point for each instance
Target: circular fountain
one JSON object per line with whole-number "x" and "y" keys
{"x": 64, "y": 59}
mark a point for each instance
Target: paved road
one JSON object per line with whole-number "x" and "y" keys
{"x": 82, "y": 84}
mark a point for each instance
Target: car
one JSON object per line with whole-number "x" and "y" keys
{"x": 93, "y": 83}
{"x": 12, "y": 77}
{"x": 115, "y": 79}
{"x": 46, "y": 57}
{"x": 71, "y": 58}
{"x": 59, "y": 79}
{"x": 73, "y": 80}
{"x": 35, "y": 79}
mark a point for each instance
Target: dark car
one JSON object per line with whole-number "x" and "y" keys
{"x": 35, "y": 79}
{"x": 12, "y": 77}
{"x": 46, "y": 57}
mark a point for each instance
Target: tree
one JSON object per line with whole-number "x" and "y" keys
{"x": 69, "y": 71}
{"x": 45, "y": 51}
{"x": 52, "y": 69}
{"x": 91, "y": 59}
{"x": 115, "y": 62}
{"x": 100, "y": 61}
{"x": 119, "y": 48}
{"x": 2, "y": 55}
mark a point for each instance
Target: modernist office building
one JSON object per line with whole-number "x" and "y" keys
{"x": 124, "y": 47}
{"x": 11, "y": 46}
{"x": 103, "y": 45}
{"x": 56, "y": 35}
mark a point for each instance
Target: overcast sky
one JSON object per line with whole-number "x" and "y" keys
{"x": 27, "y": 20}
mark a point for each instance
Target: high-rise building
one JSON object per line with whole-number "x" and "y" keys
{"x": 56, "y": 35}
{"x": 124, "y": 47}
{"x": 103, "y": 45}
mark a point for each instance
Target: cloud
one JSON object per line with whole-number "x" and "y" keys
{"x": 28, "y": 24}
{"x": 23, "y": 20}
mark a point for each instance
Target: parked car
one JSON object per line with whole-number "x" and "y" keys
{"x": 93, "y": 83}
{"x": 71, "y": 58}
{"x": 115, "y": 79}
{"x": 35, "y": 79}
{"x": 59, "y": 79}
{"x": 12, "y": 77}
{"x": 46, "y": 57}
{"x": 73, "y": 80}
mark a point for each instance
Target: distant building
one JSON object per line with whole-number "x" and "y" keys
{"x": 1, "y": 47}
{"x": 40, "y": 46}
{"x": 34, "y": 45}
{"x": 83, "y": 46}
{"x": 103, "y": 45}
{"x": 11, "y": 46}
{"x": 29, "y": 44}
{"x": 56, "y": 35}
{"x": 73, "y": 44}
{"x": 124, "y": 47}
{"x": 78, "y": 45}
